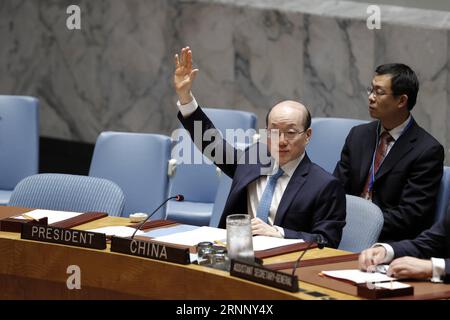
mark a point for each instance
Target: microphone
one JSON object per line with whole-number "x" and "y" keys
{"x": 178, "y": 197}
{"x": 321, "y": 242}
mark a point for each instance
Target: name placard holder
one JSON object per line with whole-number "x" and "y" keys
{"x": 372, "y": 291}
{"x": 149, "y": 249}
{"x": 70, "y": 237}
{"x": 15, "y": 225}
{"x": 263, "y": 275}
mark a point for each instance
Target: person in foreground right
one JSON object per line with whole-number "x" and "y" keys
{"x": 425, "y": 257}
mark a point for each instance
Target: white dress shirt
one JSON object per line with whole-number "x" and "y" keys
{"x": 256, "y": 189}
{"x": 395, "y": 133}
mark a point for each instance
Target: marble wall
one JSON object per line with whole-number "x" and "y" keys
{"x": 115, "y": 73}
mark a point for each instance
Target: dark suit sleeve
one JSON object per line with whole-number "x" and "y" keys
{"x": 329, "y": 216}
{"x": 219, "y": 151}
{"x": 447, "y": 271}
{"x": 343, "y": 171}
{"x": 431, "y": 243}
{"x": 421, "y": 185}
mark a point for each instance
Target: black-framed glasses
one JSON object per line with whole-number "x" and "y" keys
{"x": 377, "y": 92}
{"x": 290, "y": 134}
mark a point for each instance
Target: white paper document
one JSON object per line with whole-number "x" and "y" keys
{"x": 53, "y": 216}
{"x": 265, "y": 243}
{"x": 118, "y": 231}
{"x": 358, "y": 276}
{"x": 392, "y": 285}
{"x": 192, "y": 238}
{"x": 219, "y": 236}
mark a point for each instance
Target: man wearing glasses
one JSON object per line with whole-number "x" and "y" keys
{"x": 392, "y": 161}
{"x": 296, "y": 198}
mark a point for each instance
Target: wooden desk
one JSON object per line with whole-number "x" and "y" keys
{"x": 35, "y": 270}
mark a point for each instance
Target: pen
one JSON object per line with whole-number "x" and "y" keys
{"x": 220, "y": 243}
{"x": 28, "y": 217}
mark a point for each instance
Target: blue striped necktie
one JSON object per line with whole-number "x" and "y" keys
{"x": 266, "y": 200}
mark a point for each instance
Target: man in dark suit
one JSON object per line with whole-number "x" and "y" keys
{"x": 392, "y": 161}
{"x": 432, "y": 244}
{"x": 294, "y": 198}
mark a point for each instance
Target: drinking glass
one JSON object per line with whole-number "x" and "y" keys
{"x": 239, "y": 238}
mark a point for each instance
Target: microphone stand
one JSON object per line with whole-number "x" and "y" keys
{"x": 321, "y": 242}
{"x": 178, "y": 197}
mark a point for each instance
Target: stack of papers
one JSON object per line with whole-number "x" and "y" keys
{"x": 118, "y": 231}
{"x": 358, "y": 276}
{"x": 169, "y": 230}
{"x": 265, "y": 243}
{"x": 191, "y": 236}
{"x": 53, "y": 216}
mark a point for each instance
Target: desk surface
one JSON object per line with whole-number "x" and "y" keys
{"x": 36, "y": 270}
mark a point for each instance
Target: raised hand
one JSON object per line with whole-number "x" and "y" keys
{"x": 184, "y": 75}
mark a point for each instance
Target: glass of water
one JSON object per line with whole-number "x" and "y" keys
{"x": 205, "y": 252}
{"x": 239, "y": 238}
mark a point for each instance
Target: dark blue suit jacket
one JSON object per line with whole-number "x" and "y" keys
{"x": 313, "y": 202}
{"x": 432, "y": 243}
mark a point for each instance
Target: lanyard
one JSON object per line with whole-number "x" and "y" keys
{"x": 372, "y": 173}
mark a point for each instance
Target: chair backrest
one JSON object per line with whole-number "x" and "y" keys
{"x": 19, "y": 139}
{"x": 199, "y": 182}
{"x": 67, "y": 192}
{"x": 220, "y": 200}
{"x": 364, "y": 222}
{"x": 138, "y": 163}
{"x": 443, "y": 197}
{"x": 328, "y": 139}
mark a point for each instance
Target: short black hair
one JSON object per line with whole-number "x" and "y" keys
{"x": 306, "y": 124}
{"x": 403, "y": 81}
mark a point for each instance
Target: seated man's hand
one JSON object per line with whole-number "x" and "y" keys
{"x": 371, "y": 257}
{"x": 260, "y": 228}
{"x": 409, "y": 267}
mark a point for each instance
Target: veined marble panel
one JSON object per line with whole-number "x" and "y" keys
{"x": 116, "y": 73}
{"x": 338, "y": 61}
{"x": 425, "y": 51}
{"x": 268, "y": 59}
{"x": 111, "y": 75}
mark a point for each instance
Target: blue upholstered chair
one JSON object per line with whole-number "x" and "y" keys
{"x": 199, "y": 182}
{"x": 328, "y": 139}
{"x": 19, "y": 142}
{"x": 138, "y": 163}
{"x": 364, "y": 222}
{"x": 443, "y": 197}
{"x": 220, "y": 200}
{"x": 66, "y": 192}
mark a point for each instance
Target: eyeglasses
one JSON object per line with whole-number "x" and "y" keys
{"x": 377, "y": 92}
{"x": 290, "y": 134}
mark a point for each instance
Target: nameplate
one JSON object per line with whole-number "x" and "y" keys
{"x": 384, "y": 290}
{"x": 263, "y": 275}
{"x": 70, "y": 237}
{"x": 15, "y": 225}
{"x": 149, "y": 249}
